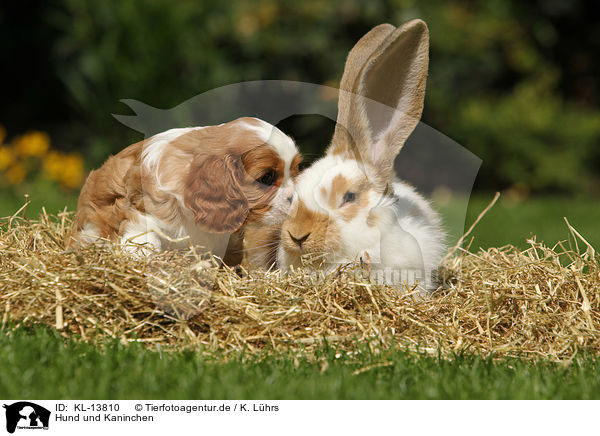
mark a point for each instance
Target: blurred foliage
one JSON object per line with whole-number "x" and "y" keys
{"x": 29, "y": 161}
{"x": 515, "y": 82}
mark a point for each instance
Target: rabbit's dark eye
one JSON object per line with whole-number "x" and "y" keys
{"x": 349, "y": 197}
{"x": 268, "y": 178}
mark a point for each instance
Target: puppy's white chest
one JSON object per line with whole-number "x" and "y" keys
{"x": 148, "y": 233}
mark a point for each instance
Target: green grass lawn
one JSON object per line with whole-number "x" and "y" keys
{"x": 39, "y": 363}
{"x": 508, "y": 223}
{"x": 49, "y": 196}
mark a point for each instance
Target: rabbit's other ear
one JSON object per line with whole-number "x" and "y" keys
{"x": 388, "y": 99}
{"x": 343, "y": 137}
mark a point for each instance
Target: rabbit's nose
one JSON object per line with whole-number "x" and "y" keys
{"x": 300, "y": 240}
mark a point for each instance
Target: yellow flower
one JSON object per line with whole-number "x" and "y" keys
{"x": 16, "y": 174}
{"x": 72, "y": 171}
{"x": 67, "y": 169}
{"x": 2, "y": 133}
{"x": 7, "y": 157}
{"x": 32, "y": 144}
{"x": 53, "y": 165}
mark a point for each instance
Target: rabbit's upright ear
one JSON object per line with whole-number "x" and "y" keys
{"x": 350, "y": 129}
{"x": 387, "y": 96}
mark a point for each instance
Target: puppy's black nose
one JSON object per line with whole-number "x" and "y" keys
{"x": 300, "y": 240}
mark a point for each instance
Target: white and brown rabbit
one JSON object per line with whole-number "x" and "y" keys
{"x": 348, "y": 204}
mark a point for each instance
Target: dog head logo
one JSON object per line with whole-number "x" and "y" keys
{"x": 26, "y": 415}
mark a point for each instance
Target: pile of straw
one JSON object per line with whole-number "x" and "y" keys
{"x": 540, "y": 302}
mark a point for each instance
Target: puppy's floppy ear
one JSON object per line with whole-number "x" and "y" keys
{"x": 214, "y": 194}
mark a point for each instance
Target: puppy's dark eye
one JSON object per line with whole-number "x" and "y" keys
{"x": 349, "y": 197}
{"x": 267, "y": 178}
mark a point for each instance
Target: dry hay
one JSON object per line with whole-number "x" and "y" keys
{"x": 540, "y": 302}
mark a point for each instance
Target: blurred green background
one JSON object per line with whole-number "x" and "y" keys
{"x": 517, "y": 83}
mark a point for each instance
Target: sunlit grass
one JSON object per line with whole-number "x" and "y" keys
{"x": 41, "y": 364}
{"x": 512, "y": 223}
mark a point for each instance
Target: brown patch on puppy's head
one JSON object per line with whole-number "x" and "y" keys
{"x": 265, "y": 172}
{"x": 234, "y": 176}
{"x": 295, "y": 166}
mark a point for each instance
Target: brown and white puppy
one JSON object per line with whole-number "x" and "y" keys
{"x": 198, "y": 185}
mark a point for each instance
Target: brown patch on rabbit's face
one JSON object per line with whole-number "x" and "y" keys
{"x": 333, "y": 200}
{"x": 342, "y": 186}
{"x": 339, "y": 186}
{"x": 317, "y": 233}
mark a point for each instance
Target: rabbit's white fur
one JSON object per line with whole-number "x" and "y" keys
{"x": 348, "y": 204}
{"x": 398, "y": 232}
